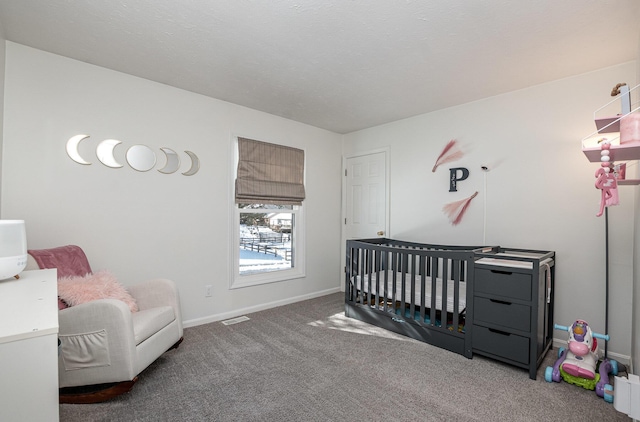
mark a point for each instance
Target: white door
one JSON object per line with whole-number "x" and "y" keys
{"x": 366, "y": 196}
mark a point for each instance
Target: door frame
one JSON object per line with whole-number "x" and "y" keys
{"x": 343, "y": 231}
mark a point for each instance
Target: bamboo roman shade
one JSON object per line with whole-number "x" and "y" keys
{"x": 269, "y": 173}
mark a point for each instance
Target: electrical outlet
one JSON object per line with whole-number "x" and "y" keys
{"x": 208, "y": 290}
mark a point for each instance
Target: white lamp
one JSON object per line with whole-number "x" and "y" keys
{"x": 13, "y": 248}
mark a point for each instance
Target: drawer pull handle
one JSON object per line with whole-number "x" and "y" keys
{"x": 502, "y": 302}
{"x": 499, "y": 332}
{"x": 502, "y": 272}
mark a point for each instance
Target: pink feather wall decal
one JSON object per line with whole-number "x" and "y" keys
{"x": 448, "y": 154}
{"x": 455, "y": 210}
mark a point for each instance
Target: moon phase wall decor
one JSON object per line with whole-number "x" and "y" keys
{"x": 141, "y": 158}
{"x": 72, "y": 149}
{"x": 195, "y": 164}
{"x": 104, "y": 151}
{"x": 138, "y": 157}
{"x": 172, "y": 161}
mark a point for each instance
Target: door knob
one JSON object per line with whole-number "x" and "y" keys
{"x": 380, "y": 233}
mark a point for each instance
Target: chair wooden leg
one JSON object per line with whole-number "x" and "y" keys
{"x": 94, "y": 393}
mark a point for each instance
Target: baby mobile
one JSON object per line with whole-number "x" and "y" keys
{"x": 606, "y": 178}
{"x": 454, "y": 210}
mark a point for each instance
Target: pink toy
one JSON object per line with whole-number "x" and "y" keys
{"x": 606, "y": 179}
{"x": 582, "y": 359}
{"x": 607, "y": 183}
{"x": 579, "y": 364}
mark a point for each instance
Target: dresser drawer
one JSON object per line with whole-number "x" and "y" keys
{"x": 506, "y": 314}
{"x": 503, "y": 282}
{"x": 508, "y": 346}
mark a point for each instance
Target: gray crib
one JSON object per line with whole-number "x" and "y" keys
{"x": 427, "y": 292}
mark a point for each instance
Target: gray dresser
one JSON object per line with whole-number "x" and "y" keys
{"x": 513, "y": 306}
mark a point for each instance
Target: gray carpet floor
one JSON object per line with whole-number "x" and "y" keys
{"x": 308, "y": 362}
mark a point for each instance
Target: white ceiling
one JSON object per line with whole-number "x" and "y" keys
{"x": 341, "y": 65}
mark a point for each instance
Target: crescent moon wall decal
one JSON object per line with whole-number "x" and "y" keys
{"x": 195, "y": 164}
{"x": 173, "y": 161}
{"x": 104, "y": 151}
{"x": 72, "y": 149}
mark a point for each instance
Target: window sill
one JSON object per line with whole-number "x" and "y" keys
{"x": 241, "y": 281}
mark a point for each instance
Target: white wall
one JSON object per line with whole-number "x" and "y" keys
{"x": 143, "y": 225}
{"x": 2, "y": 61}
{"x": 635, "y": 337}
{"x": 635, "y": 314}
{"x": 539, "y": 191}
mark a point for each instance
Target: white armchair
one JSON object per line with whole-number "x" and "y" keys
{"x": 103, "y": 344}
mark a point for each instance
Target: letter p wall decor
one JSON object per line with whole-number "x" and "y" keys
{"x": 454, "y": 210}
{"x": 457, "y": 174}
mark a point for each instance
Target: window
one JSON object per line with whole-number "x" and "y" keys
{"x": 269, "y": 190}
{"x": 267, "y": 238}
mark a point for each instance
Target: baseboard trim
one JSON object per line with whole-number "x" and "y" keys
{"x": 261, "y": 307}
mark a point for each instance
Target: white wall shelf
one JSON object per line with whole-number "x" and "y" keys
{"x": 626, "y": 152}
{"x": 628, "y": 182}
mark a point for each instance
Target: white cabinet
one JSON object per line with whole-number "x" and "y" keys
{"x": 29, "y": 347}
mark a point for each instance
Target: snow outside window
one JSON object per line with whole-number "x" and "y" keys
{"x": 269, "y": 244}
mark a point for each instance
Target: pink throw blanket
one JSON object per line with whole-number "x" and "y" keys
{"x": 70, "y": 260}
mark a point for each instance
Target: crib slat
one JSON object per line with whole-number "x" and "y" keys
{"x": 352, "y": 271}
{"x": 363, "y": 271}
{"x": 456, "y": 294}
{"x": 423, "y": 281}
{"x": 445, "y": 292}
{"x": 412, "y": 279}
{"x": 434, "y": 280}
{"x": 377, "y": 272}
{"x": 385, "y": 279}
{"x": 368, "y": 253}
{"x": 394, "y": 287}
{"x": 403, "y": 281}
